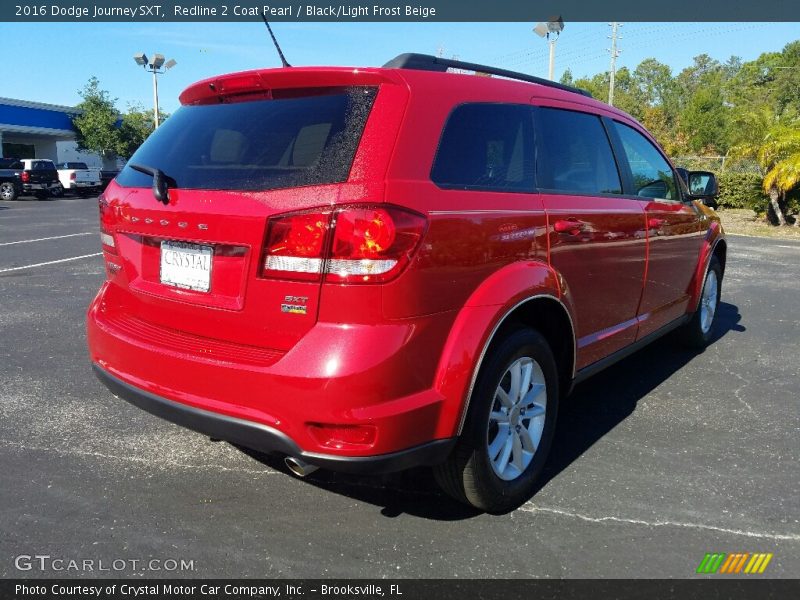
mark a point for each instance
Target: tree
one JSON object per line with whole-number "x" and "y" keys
{"x": 787, "y": 79}
{"x": 780, "y": 151}
{"x": 777, "y": 150}
{"x": 655, "y": 82}
{"x": 705, "y": 119}
{"x": 96, "y": 124}
{"x": 100, "y": 128}
{"x": 137, "y": 124}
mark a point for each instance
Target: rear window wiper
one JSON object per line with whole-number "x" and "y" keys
{"x": 161, "y": 181}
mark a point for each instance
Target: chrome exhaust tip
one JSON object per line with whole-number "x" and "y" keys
{"x": 299, "y": 467}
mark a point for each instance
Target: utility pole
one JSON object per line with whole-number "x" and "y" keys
{"x": 614, "y": 54}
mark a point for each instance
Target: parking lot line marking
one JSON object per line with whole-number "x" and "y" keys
{"x": 162, "y": 462}
{"x": 55, "y": 237}
{"x": 531, "y": 508}
{"x": 50, "y": 262}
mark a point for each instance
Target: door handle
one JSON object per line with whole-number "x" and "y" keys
{"x": 572, "y": 226}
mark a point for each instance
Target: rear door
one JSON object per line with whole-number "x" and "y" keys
{"x": 597, "y": 238}
{"x": 194, "y": 264}
{"x": 674, "y": 228}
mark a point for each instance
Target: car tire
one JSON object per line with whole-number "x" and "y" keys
{"x": 698, "y": 332}
{"x": 57, "y": 191}
{"x": 475, "y": 473}
{"x": 7, "y": 191}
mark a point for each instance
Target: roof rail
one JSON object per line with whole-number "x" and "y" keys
{"x": 426, "y": 62}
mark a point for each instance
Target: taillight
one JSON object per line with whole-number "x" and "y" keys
{"x": 25, "y": 177}
{"x": 73, "y": 176}
{"x": 107, "y": 240}
{"x": 354, "y": 244}
{"x": 372, "y": 244}
{"x": 295, "y": 246}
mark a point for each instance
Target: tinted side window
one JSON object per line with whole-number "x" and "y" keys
{"x": 486, "y": 147}
{"x": 652, "y": 175}
{"x": 575, "y": 154}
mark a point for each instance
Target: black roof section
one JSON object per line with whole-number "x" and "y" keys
{"x": 426, "y": 62}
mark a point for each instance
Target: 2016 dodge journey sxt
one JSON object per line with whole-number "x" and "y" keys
{"x": 372, "y": 269}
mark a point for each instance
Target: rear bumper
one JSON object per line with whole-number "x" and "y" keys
{"x": 39, "y": 187}
{"x": 263, "y": 438}
{"x": 341, "y": 396}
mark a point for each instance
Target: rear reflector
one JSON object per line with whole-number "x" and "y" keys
{"x": 353, "y": 244}
{"x": 343, "y": 436}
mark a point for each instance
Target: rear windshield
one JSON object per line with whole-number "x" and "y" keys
{"x": 292, "y": 141}
{"x": 78, "y": 166}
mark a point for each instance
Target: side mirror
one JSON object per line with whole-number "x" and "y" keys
{"x": 703, "y": 186}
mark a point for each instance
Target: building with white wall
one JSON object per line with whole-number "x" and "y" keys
{"x": 38, "y": 130}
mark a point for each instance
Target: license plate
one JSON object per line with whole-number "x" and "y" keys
{"x": 186, "y": 265}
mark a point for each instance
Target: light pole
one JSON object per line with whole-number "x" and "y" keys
{"x": 157, "y": 66}
{"x": 551, "y": 30}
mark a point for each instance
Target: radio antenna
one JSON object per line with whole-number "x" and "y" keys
{"x": 274, "y": 41}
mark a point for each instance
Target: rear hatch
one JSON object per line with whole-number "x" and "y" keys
{"x": 243, "y": 149}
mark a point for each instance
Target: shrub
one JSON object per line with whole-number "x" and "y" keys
{"x": 742, "y": 190}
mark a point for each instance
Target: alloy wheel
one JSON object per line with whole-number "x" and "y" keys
{"x": 517, "y": 417}
{"x": 708, "y": 301}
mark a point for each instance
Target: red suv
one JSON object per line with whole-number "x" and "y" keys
{"x": 371, "y": 269}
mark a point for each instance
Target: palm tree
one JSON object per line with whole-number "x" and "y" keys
{"x": 780, "y": 157}
{"x": 775, "y": 144}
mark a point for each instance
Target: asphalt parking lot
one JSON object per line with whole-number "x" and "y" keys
{"x": 662, "y": 458}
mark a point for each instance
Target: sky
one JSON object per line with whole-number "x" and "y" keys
{"x": 59, "y": 58}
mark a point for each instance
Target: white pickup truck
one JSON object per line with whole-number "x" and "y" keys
{"x": 78, "y": 178}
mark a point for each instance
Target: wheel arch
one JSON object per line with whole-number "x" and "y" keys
{"x": 550, "y": 317}
{"x": 721, "y": 252}
{"x": 716, "y": 245}
{"x": 484, "y": 320}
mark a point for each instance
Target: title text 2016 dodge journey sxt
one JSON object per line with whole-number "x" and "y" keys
{"x": 371, "y": 269}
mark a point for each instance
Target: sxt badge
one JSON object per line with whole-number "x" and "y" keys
{"x": 295, "y": 305}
